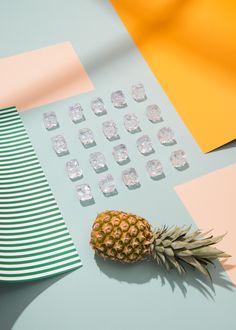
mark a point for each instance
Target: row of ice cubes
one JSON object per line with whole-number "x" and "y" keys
{"x": 98, "y": 163}
{"x": 131, "y": 122}
{"x": 129, "y": 176}
{"x": 86, "y": 136}
{"x": 107, "y": 186}
{"x": 76, "y": 112}
{"x": 97, "y": 105}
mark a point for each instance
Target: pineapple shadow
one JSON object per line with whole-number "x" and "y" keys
{"x": 145, "y": 271}
{"x": 15, "y": 297}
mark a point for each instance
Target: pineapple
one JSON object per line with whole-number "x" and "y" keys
{"x": 129, "y": 238}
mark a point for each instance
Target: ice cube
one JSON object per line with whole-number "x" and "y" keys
{"x": 153, "y": 113}
{"x": 110, "y": 130}
{"x": 84, "y": 192}
{"x": 98, "y": 161}
{"x": 130, "y": 178}
{"x": 86, "y": 137}
{"x": 131, "y": 122}
{"x": 59, "y": 145}
{"x": 50, "y": 120}
{"x": 98, "y": 107}
{"x": 73, "y": 169}
{"x": 166, "y": 136}
{"x": 120, "y": 153}
{"x": 107, "y": 185}
{"x": 144, "y": 145}
{"x": 138, "y": 93}
{"x": 118, "y": 99}
{"x": 178, "y": 158}
{"x": 76, "y": 113}
{"x": 154, "y": 168}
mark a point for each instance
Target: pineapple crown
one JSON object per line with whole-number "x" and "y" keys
{"x": 174, "y": 247}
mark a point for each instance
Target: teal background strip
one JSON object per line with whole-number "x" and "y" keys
{"x": 101, "y": 295}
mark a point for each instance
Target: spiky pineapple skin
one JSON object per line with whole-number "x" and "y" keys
{"x": 121, "y": 236}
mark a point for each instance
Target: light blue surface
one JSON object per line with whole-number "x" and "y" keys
{"x": 109, "y": 296}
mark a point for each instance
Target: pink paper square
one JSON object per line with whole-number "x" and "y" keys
{"x": 42, "y": 76}
{"x": 211, "y": 201}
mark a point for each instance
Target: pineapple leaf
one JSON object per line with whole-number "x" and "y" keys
{"x": 175, "y": 246}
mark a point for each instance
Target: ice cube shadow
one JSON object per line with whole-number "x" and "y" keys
{"x": 100, "y": 114}
{"x": 121, "y": 107}
{"x": 79, "y": 120}
{"x": 101, "y": 169}
{"x": 53, "y": 128}
{"x": 148, "y": 153}
{"x": 135, "y": 186}
{"x": 87, "y": 202}
{"x": 157, "y": 122}
{"x": 158, "y": 177}
{"x": 182, "y": 168}
{"x": 124, "y": 162}
{"x": 89, "y": 145}
{"x": 172, "y": 143}
{"x": 140, "y": 101}
{"x": 137, "y": 130}
{"x": 114, "y": 138}
{"x": 65, "y": 153}
{"x": 77, "y": 178}
{"x": 113, "y": 193}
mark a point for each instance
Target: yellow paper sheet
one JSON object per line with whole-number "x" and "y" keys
{"x": 191, "y": 48}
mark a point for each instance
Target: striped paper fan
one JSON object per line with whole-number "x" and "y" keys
{"x": 34, "y": 240}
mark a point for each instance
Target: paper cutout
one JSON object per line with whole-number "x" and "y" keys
{"x": 42, "y": 76}
{"x": 34, "y": 240}
{"x": 189, "y": 45}
{"x": 211, "y": 202}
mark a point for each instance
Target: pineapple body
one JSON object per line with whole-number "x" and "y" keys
{"x": 121, "y": 236}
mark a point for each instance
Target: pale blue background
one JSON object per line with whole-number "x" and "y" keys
{"x": 109, "y": 296}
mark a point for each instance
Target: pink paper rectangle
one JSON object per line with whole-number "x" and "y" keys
{"x": 211, "y": 201}
{"x": 42, "y": 76}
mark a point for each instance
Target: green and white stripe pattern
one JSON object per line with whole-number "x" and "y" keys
{"x": 34, "y": 240}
